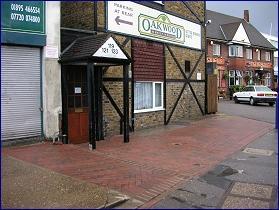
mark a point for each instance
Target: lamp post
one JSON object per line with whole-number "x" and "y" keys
{"x": 277, "y": 105}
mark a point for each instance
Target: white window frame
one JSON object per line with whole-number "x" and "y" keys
{"x": 238, "y": 76}
{"x": 268, "y": 79}
{"x": 154, "y": 108}
{"x": 249, "y": 53}
{"x": 231, "y": 75}
{"x": 267, "y": 56}
{"x": 236, "y": 51}
{"x": 216, "y": 48}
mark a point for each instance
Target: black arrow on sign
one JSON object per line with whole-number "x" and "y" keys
{"x": 118, "y": 21}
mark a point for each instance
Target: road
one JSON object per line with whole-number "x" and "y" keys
{"x": 260, "y": 112}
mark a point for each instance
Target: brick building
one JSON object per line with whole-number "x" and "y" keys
{"x": 238, "y": 52}
{"x": 167, "y": 72}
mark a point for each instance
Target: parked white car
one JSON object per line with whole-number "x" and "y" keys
{"x": 256, "y": 94}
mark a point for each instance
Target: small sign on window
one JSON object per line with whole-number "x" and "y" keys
{"x": 77, "y": 90}
{"x": 198, "y": 76}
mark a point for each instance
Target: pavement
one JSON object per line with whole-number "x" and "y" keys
{"x": 149, "y": 168}
{"x": 25, "y": 185}
{"x": 246, "y": 180}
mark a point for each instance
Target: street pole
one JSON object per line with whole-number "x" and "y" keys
{"x": 277, "y": 105}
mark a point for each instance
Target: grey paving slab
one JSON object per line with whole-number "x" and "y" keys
{"x": 215, "y": 180}
{"x": 255, "y": 151}
{"x": 194, "y": 193}
{"x": 261, "y": 174}
{"x": 252, "y": 190}
{"x": 232, "y": 202}
{"x": 169, "y": 203}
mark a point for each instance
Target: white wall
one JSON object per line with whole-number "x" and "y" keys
{"x": 51, "y": 74}
{"x": 274, "y": 41}
{"x": 240, "y": 35}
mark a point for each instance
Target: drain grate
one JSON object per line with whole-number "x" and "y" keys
{"x": 177, "y": 144}
{"x": 254, "y": 151}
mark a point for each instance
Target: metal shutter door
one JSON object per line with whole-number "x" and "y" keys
{"x": 20, "y": 92}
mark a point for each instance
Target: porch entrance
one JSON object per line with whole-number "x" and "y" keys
{"x": 82, "y": 88}
{"x": 77, "y": 104}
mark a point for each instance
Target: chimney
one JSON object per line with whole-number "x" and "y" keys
{"x": 246, "y": 15}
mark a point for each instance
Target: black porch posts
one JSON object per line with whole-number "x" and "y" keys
{"x": 95, "y": 83}
{"x": 126, "y": 102}
{"x": 91, "y": 105}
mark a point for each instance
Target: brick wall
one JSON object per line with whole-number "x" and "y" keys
{"x": 237, "y": 63}
{"x": 77, "y": 15}
{"x": 148, "y": 60}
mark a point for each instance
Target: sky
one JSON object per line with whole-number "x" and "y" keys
{"x": 262, "y": 13}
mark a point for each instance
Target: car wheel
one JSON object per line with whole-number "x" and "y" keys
{"x": 271, "y": 104}
{"x": 236, "y": 100}
{"x": 252, "y": 102}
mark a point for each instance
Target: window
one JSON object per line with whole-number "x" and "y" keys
{"x": 216, "y": 49}
{"x": 236, "y": 50}
{"x": 148, "y": 96}
{"x": 77, "y": 89}
{"x": 262, "y": 88}
{"x": 250, "y": 74}
{"x": 238, "y": 77}
{"x": 268, "y": 79}
{"x": 267, "y": 56}
{"x": 232, "y": 78}
{"x": 249, "y": 54}
{"x": 259, "y": 55}
{"x": 235, "y": 77}
{"x": 275, "y": 63}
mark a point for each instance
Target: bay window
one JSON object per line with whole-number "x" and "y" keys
{"x": 235, "y": 51}
{"x": 148, "y": 96}
{"x": 235, "y": 77}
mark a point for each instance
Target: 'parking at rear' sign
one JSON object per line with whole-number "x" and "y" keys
{"x": 126, "y": 17}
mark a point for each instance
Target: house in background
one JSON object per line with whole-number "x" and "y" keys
{"x": 237, "y": 52}
{"x": 274, "y": 41}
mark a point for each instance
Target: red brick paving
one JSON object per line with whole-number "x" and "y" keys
{"x": 150, "y": 164}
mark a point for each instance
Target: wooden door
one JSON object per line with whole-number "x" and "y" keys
{"x": 212, "y": 95}
{"x": 77, "y": 105}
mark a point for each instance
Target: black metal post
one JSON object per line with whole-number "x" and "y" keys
{"x": 126, "y": 102}
{"x": 96, "y": 104}
{"x": 165, "y": 86}
{"x": 64, "y": 105}
{"x": 100, "y": 104}
{"x": 91, "y": 105}
{"x": 205, "y": 61}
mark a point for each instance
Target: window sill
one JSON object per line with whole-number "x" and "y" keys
{"x": 148, "y": 110}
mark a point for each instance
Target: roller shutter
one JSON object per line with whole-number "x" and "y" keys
{"x": 20, "y": 92}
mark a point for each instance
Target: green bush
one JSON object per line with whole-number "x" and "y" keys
{"x": 235, "y": 88}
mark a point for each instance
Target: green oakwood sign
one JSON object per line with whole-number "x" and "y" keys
{"x": 23, "y": 16}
